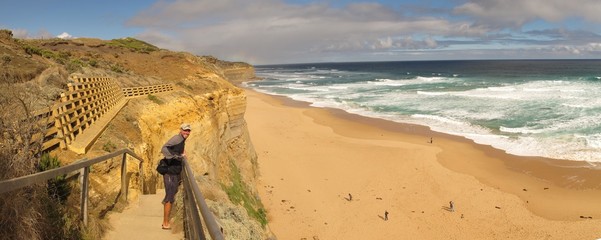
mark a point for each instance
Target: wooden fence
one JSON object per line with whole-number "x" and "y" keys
{"x": 146, "y": 90}
{"x": 87, "y": 101}
{"x": 45, "y": 120}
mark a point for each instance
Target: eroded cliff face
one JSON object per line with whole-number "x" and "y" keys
{"x": 219, "y": 133}
{"x": 238, "y": 74}
{"x": 218, "y": 148}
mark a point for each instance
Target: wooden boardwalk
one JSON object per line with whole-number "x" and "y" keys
{"x": 141, "y": 221}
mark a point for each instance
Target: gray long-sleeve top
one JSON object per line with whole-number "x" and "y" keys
{"x": 174, "y": 147}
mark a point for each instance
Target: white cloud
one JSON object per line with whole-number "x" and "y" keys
{"x": 272, "y": 31}
{"x": 64, "y": 35}
{"x": 594, "y": 46}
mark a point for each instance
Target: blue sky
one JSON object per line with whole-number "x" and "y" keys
{"x": 294, "y": 31}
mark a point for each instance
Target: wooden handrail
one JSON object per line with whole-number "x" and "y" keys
{"x": 84, "y": 167}
{"x": 194, "y": 230}
{"x": 15, "y": 183}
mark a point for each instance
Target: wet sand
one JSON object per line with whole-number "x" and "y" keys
{"x": 311, "y": 159}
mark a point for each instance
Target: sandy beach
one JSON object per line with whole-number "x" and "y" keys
{"x": 311, "y": 159}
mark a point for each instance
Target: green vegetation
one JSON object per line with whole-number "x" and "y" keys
{"x": 60, "y": 57}
{"x": 57, "y": 188}
{"x": 74, "y": 65}
{"x": 109, "y": 147}
{"x": 93, "y": 63}
{"x": 31, "y": 50}
{"x": 239, "y": 193}
{"x": 181, "y": 84}
{"x": 155, "y": 99}
{"x": 6, "y": 59}
{"x": 117, "y": 68}
{"x": 62, "y": 223}
{"x": 133, "y": 44}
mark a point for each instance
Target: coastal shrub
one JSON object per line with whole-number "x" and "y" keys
{"x": 49, "y": 54}
{"x": 6, "y": 59}
{"x": 60, "y": 223}
{"x": 133, "y": 44}
{"x": 109, "y": 146}
{"x": 31, "y": 50}
{"x": 155, "y": 99}
{"x": 239, "y": 193}
{"x": 116, "y": 68}
{"x": 181, "y": 84}
{"x": 93, "y": 63}
{"x": 57, "y": 187}
{"x": 64, "y": 55}
{"x": 74, "y": 65}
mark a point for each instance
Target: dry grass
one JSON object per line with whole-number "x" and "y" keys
{"x": 30, "y": 212}
{"x": 20, "y": 210}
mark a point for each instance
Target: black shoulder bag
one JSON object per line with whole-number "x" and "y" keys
{"x": 163, "y": 167}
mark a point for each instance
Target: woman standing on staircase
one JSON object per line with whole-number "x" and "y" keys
{"x": 174, "y": 152}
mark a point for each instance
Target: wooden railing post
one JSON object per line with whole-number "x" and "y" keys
{"x": 84, "y": 178}
{"x": 141, "y": 177}
{"x": 124, "y": 176}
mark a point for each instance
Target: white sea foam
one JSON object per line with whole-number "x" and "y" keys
{"x": 482, "y": 94}
{"x": 412, "y": 81}
{"x": 305, "y": 87}
{"x": 571, "y": 124}
{"x": 501, "y": 89}
{"x": 338, "y": 87}
{"x": 388, "y": 82}
{"x": 593, "y": 141}
{"x": 572, "y": 90}
{"x": 528, "y": 91}
{"x": 576, "y": 105}
{"x": 439, "y": 118}
{"x": 539, "y": 90}
{"x": 431, "y": 79}
{"x": 432, "y": 93}
{"x": 520, "y": 130}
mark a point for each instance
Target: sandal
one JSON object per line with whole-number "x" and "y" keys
{"x": 165, "y": 228}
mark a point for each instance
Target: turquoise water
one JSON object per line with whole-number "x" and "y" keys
{"x": 548, "y": 108}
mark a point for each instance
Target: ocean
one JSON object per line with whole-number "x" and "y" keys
{"x": 548, "y": 108}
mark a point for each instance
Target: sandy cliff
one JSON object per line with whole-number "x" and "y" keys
{"x": 219, "y": 148}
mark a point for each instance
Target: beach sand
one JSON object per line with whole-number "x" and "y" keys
{"x": 311, "y": 159}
